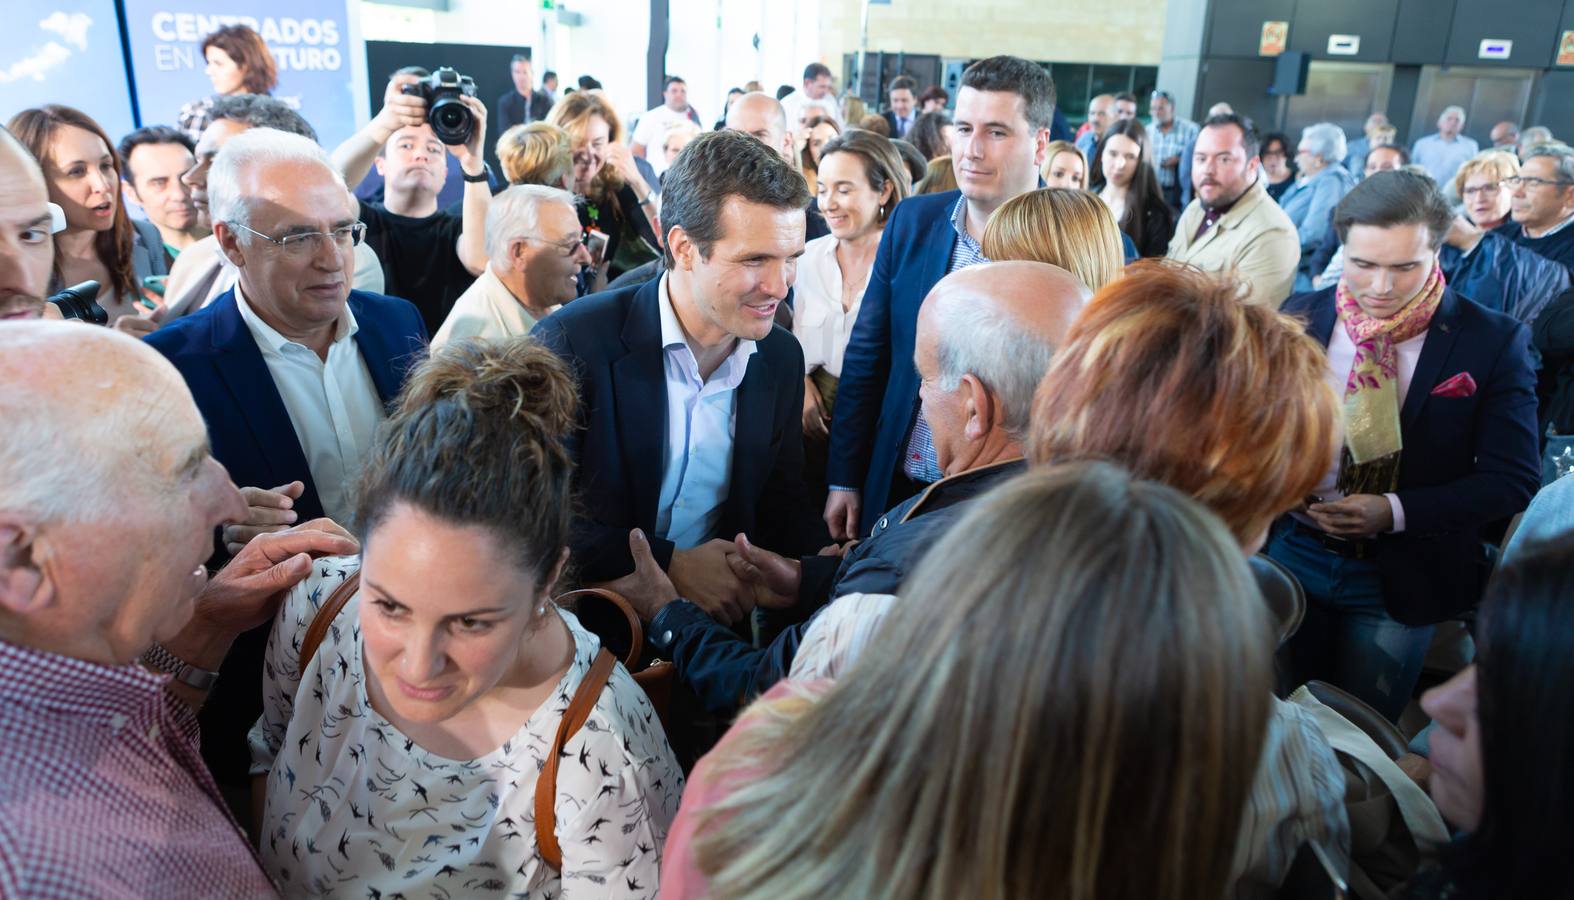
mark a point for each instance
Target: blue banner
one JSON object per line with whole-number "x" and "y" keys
{"x": 309, "y": 40}
{"x": 66, "y": 52}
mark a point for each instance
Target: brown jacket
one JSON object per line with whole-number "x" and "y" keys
{"x": 1255, "y": 238}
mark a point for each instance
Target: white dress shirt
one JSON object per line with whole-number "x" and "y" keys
{"x": 487, "y": 309}
{"x": 651, "y": 131}
{"x": 818, "y": 320}
{"x": 333, "y": 405}
{"x": 799, "y": 107}
{"x": 1341, "y": 359}
{"x": 696, "y": 465}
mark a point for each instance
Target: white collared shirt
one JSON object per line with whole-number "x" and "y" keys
{"x": 696, "y": 465}
{"x": 487, "y": 309}
{"x": 1341, "y": 359}
{"x": 819, "y": 322}
{"x": 333, "y": 405}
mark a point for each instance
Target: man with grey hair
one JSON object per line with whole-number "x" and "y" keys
{"x": 201, "y": 273}
{"x": 1321, "y": 183}
{"x": 1541, "y": 204}
{"x": 1442, "y": 154}
{"x": 536, "y": 250}
{"x": 1170, "y": 135}
{"x": 1531, "y": 138}
{"x": 108, "y": 501}
{"x": 985, "y": 338}
{"x": 292, "y": 369}
{"x": 1356, "y": 151}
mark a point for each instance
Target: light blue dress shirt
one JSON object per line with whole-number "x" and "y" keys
{"x": 696, "y": 464}
{"x": 1310, "y": 203}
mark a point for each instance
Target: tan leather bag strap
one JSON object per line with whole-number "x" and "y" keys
{"x": 546, "y": 785}
{"x": 326, "y": 613}
{"x": 636, "y": 630}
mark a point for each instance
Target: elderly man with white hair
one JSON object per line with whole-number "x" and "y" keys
{"x": 291, "y": 369}
{"x": 1442, "y": 154}
{"x": 1321, "y": 184}
{"x": 108, "y": 501}
{"x": 535, "y": 251}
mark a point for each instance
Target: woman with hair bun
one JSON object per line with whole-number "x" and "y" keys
{"x": 403, "y": 754}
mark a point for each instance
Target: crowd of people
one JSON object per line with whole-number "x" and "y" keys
{"x": 954, "y": 466}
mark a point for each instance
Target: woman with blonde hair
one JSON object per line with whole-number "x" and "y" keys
{"x": 1068, "y": 228}
{"x": 1479, "y": 183}
{"x": 939, "y": 178}
{"x": 537, "y": 153}
{"x": 974, "y": 751}
{"x": 619, "y": 204}
{"x": 1064, "y": 166}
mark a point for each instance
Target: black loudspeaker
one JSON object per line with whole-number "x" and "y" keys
{"x": 1289, "y": 73}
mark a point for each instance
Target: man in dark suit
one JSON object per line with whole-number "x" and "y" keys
{"x": 881, "y": 450}
{"x": 691, "y": 398}
{"x": 1440, "y": 443}
{"x": 902, "y": 111}
{"x": 291, "y": 369}
{"x": 524, "y": 104}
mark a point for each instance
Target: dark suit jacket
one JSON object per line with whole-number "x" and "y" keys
{"x": 511, "y": 109}
{"x": 890, "y": 119}
{"x": 1467, "y": 461}
{"x": 252, "y": 436}
{"x": 877, "y": 399}
{"x": 612, "y": 340}
{"x": 247, "y": 422}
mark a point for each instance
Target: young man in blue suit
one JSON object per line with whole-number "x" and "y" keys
{"x": 691, "y": 398}
{"x": 881, "y": 448}
{"x": 1440, "y": 443}
{"x": 291, "y": 369}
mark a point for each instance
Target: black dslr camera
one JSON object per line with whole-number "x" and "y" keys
{"x": 81, "y": 302}
{"x": 450, "y": 119}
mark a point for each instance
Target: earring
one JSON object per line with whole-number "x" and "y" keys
{"x": 541, "y": 610}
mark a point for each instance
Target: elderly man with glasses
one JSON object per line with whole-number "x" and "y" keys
{"x": 291, "y": 369}
{"x": 1541, "y": 203}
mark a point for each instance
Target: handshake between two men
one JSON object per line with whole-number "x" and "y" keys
{"x": 726, "y": 579}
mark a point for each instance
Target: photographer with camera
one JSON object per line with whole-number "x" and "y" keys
{"x": 430, "y": 256}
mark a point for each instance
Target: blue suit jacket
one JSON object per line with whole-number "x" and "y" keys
{"x": 1467, "y": 461}
{"x": 877, "y": 398}
{"x": 612, "y": 341}
{"x": 252, "y": 436}
{"x": 247, "y": 422}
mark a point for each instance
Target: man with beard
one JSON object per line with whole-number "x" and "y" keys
{"x": 1232, "y": 223}
{"x": 27, "y": 249}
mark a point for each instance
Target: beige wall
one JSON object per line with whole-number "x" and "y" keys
{"x": 1105, "y": 31}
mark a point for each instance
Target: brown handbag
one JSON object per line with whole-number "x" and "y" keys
{"x": 655, "y": 679}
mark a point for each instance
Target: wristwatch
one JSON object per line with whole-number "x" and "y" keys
{"x": 160, "y": 660}
{"x": 483, "y": 175}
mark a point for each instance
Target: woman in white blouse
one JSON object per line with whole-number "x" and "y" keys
{"x": 401, "y": 758}
{"x": 861, "y": 179}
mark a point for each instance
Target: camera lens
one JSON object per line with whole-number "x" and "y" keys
{"x": 451, "y": 120}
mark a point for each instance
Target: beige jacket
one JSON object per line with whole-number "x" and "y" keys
{"x": 1255, "y": 238}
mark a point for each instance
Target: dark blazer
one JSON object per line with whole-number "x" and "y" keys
{"x": 247, "y": 422}
{"x": 612, "y": 340}
{"x": 877, "y": 399}
{"x": 1467, "y": 461}
{"x": 890, "y": 120}
{"x": 511, "y": 109}
{"x": 252, "y": 436}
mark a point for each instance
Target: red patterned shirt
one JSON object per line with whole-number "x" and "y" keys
{"x": 103, "y": 792}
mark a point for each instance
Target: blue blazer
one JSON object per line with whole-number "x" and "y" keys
{"x": 1467, "y": 461}
{"x": 877, "y": 398}
{"x": 612, "y": 341}
{"x": 248, "y": 425}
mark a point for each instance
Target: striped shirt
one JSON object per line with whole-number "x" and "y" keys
{"x": 919, "y": 462}
{"x": 1170, "y": 143}
{"x": 102, "y": 790}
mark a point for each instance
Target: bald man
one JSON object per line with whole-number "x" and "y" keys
{"x": 108, "y": 501}
{"x": 27, "y": 249}
{"x": 764, "y": 117}
{"x": 985, "y": 338}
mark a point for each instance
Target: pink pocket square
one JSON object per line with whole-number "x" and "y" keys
{"x": 1461, "y": 385}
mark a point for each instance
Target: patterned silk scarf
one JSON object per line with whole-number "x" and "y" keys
{"x": 1370, "y": 462}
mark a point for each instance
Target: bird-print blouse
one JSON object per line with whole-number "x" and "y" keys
{"x": 356, "y": 809}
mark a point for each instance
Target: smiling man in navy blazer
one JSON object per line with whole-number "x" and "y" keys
{"x": 691, "y": 398}
{"x": 1440, "y": 442}
{"x": 291, "y": 369}
{"x": 881, "y": 449}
